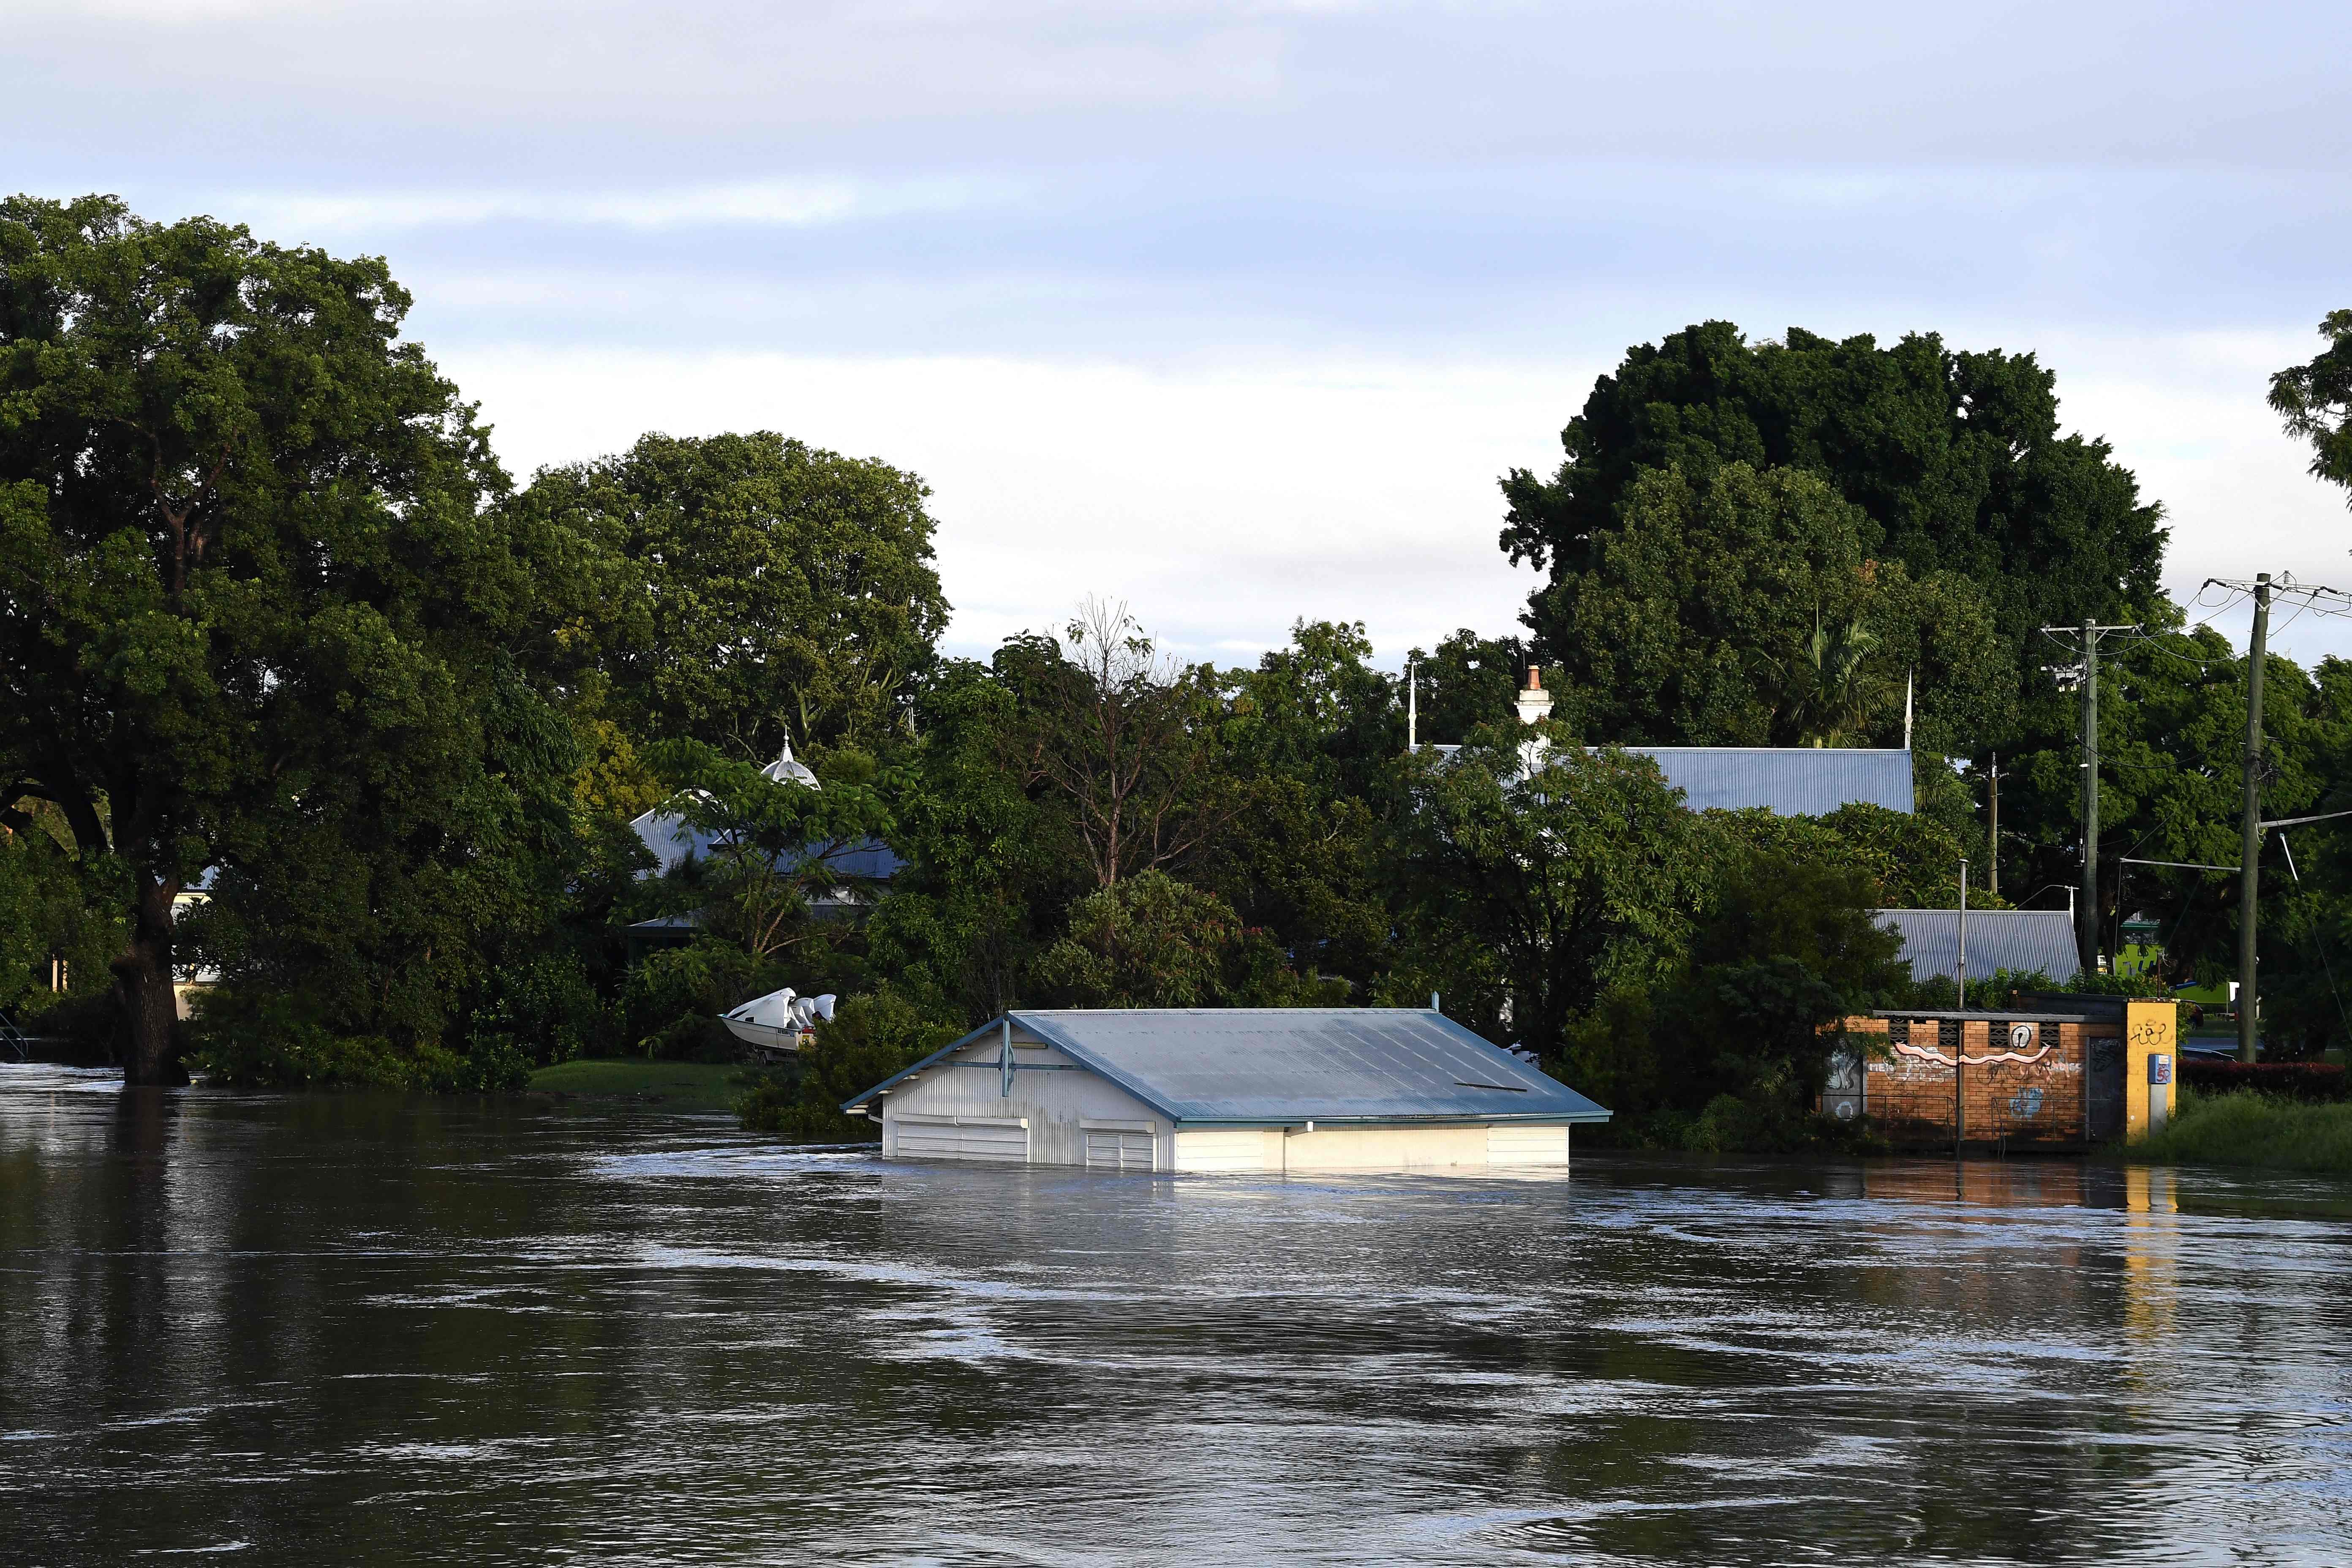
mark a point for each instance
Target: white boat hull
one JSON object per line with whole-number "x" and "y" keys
{"x": 766, "y": 1037}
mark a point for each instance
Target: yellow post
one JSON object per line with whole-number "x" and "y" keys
{"x": 2150, "y": 1029}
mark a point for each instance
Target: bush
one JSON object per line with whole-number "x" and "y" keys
{"x": 675, "y": 997}
{"x": 545, "y": 1008}
{"x": 2244, "y": 1127}
{"x": 2311, "y": 1082}
{"x": 871, "y": 1037}
{"x": 254, "y": 1040}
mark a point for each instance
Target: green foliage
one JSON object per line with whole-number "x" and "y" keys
{"x": 1954, "y": 459}
{"x": 1910, "y": 861}
{"x": 775, "y": 847}
{"x": 1469, "y": 681}
{"x": 245, "y": 1039}
{"x": 1745, "y": 609}
{"x": 256, "y": 613}
{"x": 775, "y": 592}
{"x": 1535, "y": 888}
{"x": 1153, "y": 941}
{"x": 49, "y": 910}
{"x": 871, "y": 1037}
{"x": 2314, "y": 400}
{"x": 2245, "y": 1128}
{"x": 1729, "y": 1047}
{"x": 1996, "y": 989}
{"x": 674, "y": 997}
{"x": 544, "y": 1006}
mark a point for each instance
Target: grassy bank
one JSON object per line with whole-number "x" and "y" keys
{"x": 2248, "y": 1129}
{"x": 674, "y": 1086}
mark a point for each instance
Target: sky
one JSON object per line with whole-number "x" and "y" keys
{"x": 1237, "y": 312}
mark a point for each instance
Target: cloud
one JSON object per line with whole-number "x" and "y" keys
{"x": 757, "y": 203}
{"x": 1221, "y": 503}
{"x": 1225, "y": 501}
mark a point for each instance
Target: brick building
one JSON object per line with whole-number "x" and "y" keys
{"x": 2037, "y": 1079}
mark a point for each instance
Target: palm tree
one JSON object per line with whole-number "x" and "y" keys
{"x": 1829, "y": 691}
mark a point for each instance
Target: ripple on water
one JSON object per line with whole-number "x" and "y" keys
{"x": 476, "y": 1335}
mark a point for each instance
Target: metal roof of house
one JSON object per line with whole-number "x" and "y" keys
{"x": 672, "y": 839}
{"x": 1273, "y": 1066}
{"x": 1792, "y": 781}
{"x": 2023, "y": 939}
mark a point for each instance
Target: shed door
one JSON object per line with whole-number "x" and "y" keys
{"x": 1519, "y": 1144}
{"x": 963, "y": 1137}
{"x": 2103, "y": 1087}
{"x": 1119, "y": 1149}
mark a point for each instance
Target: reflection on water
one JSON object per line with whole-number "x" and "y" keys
{"x": 376, "y": 1330}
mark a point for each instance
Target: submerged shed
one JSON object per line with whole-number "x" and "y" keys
{"x": 1272, "y": 1088}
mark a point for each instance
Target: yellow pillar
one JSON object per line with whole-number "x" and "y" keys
{"x": 2150, "y": 1029}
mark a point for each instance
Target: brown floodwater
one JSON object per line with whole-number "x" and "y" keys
{"x": 363, "y": 1330}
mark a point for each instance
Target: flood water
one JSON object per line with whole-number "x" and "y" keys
{"x": 361, "y": 1331}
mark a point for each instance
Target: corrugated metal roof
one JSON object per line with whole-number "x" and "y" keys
{"x": 1793, "y": 781}
{"x": 1997, "y": 939}
{"x": 1277, "y": 1065}
{"x": 672, "y": 841}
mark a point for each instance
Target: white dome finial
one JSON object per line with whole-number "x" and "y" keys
{"x": 784, "y": 770}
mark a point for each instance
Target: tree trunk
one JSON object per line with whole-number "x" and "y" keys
{"x": 142, "y": 981}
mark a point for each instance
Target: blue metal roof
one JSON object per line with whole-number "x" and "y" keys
{"x": 1271, "y": 1065}
{"x": 672, "y": 839}
{"x": 1793, "y": 781}
{"x": 2025, "y": 940}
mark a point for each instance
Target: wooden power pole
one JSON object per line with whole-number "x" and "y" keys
{"x": 2250, "y": 824}
{"x": 2086, "y": 908}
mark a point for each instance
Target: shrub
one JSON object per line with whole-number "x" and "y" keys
{"x": 871, "y": 1037}
{"x": 276, "y": 1040}
{"x": 2243, "y": 1128}
{"x": 673, "y": 999}
{"x": 2312, "y": 1082}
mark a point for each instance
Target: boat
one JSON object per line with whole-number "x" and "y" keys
{"x": 780, "y": 1022}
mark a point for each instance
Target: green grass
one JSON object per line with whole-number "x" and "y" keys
{"x": 2244, "y": 1127}
{"x": 674, "y": 1086}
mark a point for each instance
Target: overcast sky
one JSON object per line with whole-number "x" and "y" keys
{"x": 1237, "y": 311}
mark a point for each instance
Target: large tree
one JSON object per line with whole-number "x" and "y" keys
{"x": 781, "y": 592}
{"x": 1743, "y": 609}
{"x": 1532, "y": 890}
{"x": 1954, "y": 459}
{"x": 247, "y": 571}
{"x": 2315, "y": 401}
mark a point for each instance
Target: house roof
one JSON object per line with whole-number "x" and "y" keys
{"x": 1276, "y": 1066}
{"x": 672, "y": 839}
{"x": 2025, "y": 940}
{"x": 1792, "y": 781}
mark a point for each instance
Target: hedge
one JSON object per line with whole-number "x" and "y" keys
{"x": 2315, "y": 1081}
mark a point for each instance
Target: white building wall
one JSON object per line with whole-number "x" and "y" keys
{"x": 1059, "y": 1107}
{"x": 1401, "y": 1148}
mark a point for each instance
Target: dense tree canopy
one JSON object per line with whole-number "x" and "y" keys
{"x": 252, "y": 594}
{"x": 774, "y": 592}
{"x": 1746, "y": 611}
{"x": 1955, "y": 458}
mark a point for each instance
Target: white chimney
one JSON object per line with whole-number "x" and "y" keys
{"x": 1534, "y": 702}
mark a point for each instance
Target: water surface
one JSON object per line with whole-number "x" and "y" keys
{"x": 363, "y": 1330}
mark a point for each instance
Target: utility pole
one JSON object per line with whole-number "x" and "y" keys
{"x": 2086, "y": 908}
{"x": 1411, "y": 708}
{"x": 2086, "y": 935}
{"x": 1964, "y": 938}
{"x": 1992, "y": 844}
{"x": 2250, "y": 827}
